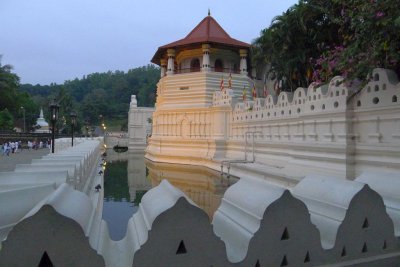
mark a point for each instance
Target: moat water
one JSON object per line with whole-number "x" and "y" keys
{"x": 128, "y": 176}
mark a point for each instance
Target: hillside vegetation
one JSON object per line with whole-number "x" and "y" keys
{"x": 107, "y": 94}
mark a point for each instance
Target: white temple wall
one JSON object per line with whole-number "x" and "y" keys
{"x": 187, "y": 123}
{"x": 331, "y": 129}
{"x": 139, "y": 125}
{"x": 196, "y": 89}
{"x": 323, "y": 128}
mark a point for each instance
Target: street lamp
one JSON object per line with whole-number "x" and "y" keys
{"x": 73, "y": 124}
{"x": 87, "y": 127}
{"x": 54, "y": 107}
{"x": 103, "y": 126}
{"x": 23, "y": 112}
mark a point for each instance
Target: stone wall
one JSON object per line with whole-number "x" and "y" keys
{"x": 335, "y": 128}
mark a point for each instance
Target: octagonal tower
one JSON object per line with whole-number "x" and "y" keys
{"x": 187, "y": 127}
{"x": 192, "y": 68}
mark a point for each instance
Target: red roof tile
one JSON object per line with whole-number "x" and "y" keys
{"x": 207, "y": 31}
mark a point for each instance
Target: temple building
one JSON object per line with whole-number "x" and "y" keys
{"x": 192, "y": 70}
{"x": 204, "y": 115}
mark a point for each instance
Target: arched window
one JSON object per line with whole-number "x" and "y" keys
{"x": 219, "y": 66}
{"x": 195, "y": 65}
{"x": 235, "y": 68}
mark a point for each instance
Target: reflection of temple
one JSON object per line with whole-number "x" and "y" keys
{"x": 204, "y": 186}
{"x": 136, "y": 169}
{"x": 137, "y": 179}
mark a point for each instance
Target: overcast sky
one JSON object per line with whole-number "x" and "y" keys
{"x": 56, "y": 40}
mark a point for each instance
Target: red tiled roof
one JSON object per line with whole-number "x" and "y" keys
{"x": 207, "y": 31}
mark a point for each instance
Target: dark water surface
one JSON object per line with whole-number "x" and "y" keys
{"x": 128, "y": 176}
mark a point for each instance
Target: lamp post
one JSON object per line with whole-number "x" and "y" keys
{"x": 54, "y": 107}
{"x": 23, "y": 112}
{"x": 87, "y": 128}
{"x": 73, "y": 123}
{"x": 103, "y": 126}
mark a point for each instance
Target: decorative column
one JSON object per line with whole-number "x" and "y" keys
{"x": 206, "y": 57}
{"x": 243, "y": 61}
{"x": 163, "y": 67}
{"x": 171, "y": 61}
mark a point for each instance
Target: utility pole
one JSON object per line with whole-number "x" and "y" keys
{"x": 23, "y": 112}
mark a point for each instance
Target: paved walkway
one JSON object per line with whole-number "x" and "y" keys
{"x": 7, "y": 163}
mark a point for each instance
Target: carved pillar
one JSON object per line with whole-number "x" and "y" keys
{"x": 163, "y": 67}
{"x": 206, "y": 57}
{"x": 171, "y": 61}
{"x": 243, "y": 61}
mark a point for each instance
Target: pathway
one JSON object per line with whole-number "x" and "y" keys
{"x": 7, "y": 163}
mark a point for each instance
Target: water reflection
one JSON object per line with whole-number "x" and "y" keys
{"x": 128, "y": 176}
{"x": 204, "y": 186}
{"x": 125, "y": 182}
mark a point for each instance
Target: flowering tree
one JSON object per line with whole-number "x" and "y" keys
{"x": 316, "y": 39}
{"x": 368, "y": 38}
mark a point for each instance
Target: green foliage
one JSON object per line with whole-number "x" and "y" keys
{"x": 292, "y": 39}
{"x": 315, "y": 40}
{"x": 107, "y": 94}
{"x": 369, "y": 35}
{"x": 6, "y": 120}
{"x": 12, "y": 101}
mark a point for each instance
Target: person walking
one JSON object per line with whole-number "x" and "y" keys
{"x": 12, "y": 146}
{"x": 8, "y": 149}
{"x": 4, "y": 148}
{"x": 16, "y": 146}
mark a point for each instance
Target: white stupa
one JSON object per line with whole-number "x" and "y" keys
{"x": 41, "y": 124}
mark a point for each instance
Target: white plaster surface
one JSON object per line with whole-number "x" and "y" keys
{"x": 332, "y": 130}
{"x": 239, "y": 216}
{"x": 387, "y": 184}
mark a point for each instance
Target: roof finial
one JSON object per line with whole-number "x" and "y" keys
{"x": 209, "y": 13}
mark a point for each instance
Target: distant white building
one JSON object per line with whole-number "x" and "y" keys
{"x": 41, "y": 124}
{"x": 139, "y": 125}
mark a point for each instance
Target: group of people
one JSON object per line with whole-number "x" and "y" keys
{"x": 11, "y": 147}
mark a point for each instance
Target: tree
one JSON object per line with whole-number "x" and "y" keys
{"x": 106, "y": 93}
{"x": 369, "y": 38}
{"x": 315, "y": 40}
{"x": 6, "y": 120}
{"x": 8, "y": 87}
{"x": 95, "y": 103}
{"x": 11, "y": 100}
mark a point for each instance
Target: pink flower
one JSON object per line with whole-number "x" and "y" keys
{"x": 380, "y": 14}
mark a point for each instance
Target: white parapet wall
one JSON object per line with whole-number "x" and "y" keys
{"x": 53, "y": 231}
{"x": 323, "y": 221}
{"x": 333, "y": 129}
{"x": 29, "y": 184}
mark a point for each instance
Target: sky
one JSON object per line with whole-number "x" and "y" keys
{"x": 51, "y": 41}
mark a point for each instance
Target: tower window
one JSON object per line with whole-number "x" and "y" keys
{"x": 195, "y": 65}
{"x": 219, "y": 66}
